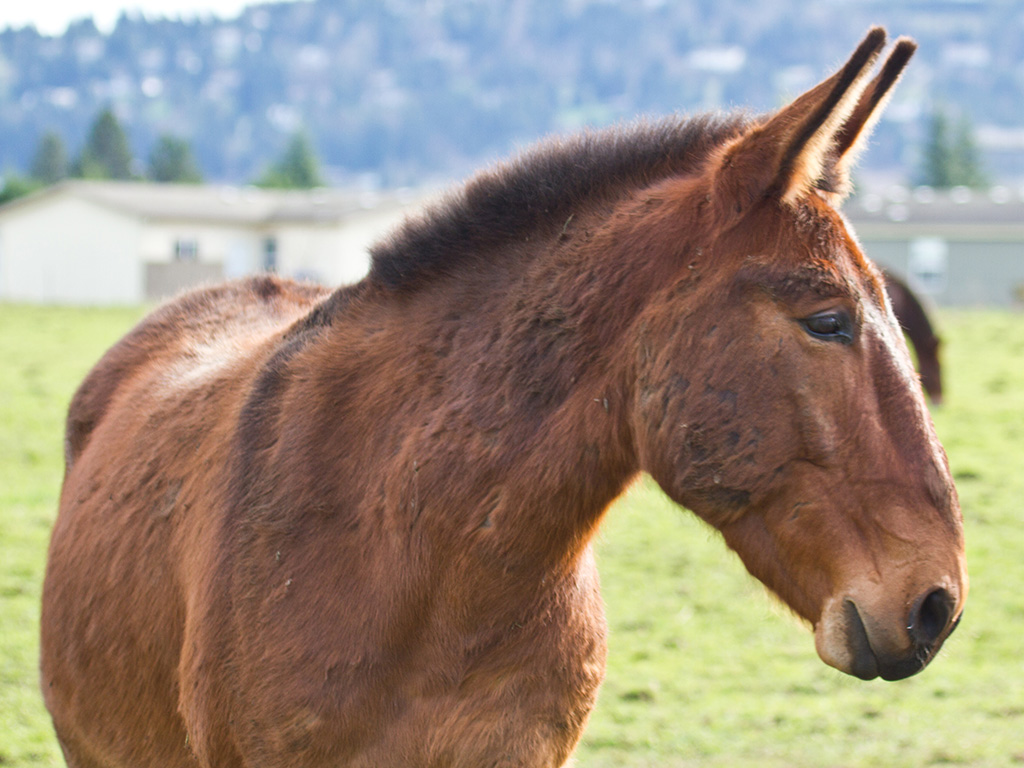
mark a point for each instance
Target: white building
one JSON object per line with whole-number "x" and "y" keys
{"x": 959, "y": 247}
{"x": 104, "y": 242}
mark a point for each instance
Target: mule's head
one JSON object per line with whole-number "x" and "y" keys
{"x": 776, "y": 398}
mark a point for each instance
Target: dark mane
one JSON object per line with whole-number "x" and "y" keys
{"x": 539, "y": 190}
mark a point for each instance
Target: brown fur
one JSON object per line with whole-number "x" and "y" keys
{"x": 353, "y": 528}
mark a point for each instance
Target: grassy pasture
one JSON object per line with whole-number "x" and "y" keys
{"x": 703, "y": 668}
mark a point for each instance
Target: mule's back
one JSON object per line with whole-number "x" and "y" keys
{"x": 204, "y": 328}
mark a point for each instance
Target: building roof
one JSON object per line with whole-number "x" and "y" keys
{"x": 895, "y": 213}
{"x": 958, "y": 213}
{"x": 220, "y": 204}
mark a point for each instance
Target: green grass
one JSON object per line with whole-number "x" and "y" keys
{"x": 44, "y": 353}
{"x": 704, "y": 669}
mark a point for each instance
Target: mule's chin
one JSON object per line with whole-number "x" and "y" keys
{"x": 844, "y": 641}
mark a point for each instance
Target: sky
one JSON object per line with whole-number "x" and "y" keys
{"x": 51, "y": 17}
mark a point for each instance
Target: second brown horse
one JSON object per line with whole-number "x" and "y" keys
{"x": 913, "y": 319}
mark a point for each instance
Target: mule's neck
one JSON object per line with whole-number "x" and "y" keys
{"x": 514, "y": 393}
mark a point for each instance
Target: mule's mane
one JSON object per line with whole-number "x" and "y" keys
{"x": 535, "y": 194}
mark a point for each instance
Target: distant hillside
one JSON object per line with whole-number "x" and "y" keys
{"x": 396, "y": 91}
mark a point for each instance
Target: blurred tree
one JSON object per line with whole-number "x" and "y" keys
{"x": 50, "y": 162}
{"x": 172, "y": 161}
{"x": 297, "y": 168}
{"x": 13, "y": 186}
{"x": 106, "y": 154}
{"x": 950, "y": 156}
{"x": 937, "y": 162}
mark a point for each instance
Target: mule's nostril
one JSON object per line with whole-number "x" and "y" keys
{"x": 932, "y": 616}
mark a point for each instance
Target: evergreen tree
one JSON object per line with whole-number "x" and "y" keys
{"x": 50, "y": 162}
{"x": 106, "y": 154}
{"x": 172, "y": 161}
{"x": 297, "y": 168}
{"x": 966, "y": 157}
{"x": 951, "y": 156}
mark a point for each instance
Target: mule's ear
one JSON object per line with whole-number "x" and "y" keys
{"x": 792, "y": 152}
{"x": 855, "y": 131}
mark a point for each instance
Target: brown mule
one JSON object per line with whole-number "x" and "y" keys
{"x": 302, "y": 528}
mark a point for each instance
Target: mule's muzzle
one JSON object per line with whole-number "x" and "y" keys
{"x": 860, "y": 647}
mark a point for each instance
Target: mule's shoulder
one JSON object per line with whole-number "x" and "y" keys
{"x": 218, "y": 310}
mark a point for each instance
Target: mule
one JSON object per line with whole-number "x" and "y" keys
{"x": 913, "y": 319}
{"x": 310, "y": 528}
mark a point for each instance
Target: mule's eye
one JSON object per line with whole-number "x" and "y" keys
{"x": 830, "y": 326}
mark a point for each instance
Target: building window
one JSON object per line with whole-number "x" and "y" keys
{"x": 926, "y": 268}
{"x": 270, "y": 254}
{"x": 186, "y": 249}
